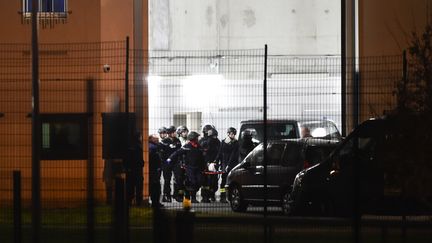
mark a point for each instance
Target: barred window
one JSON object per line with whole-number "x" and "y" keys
{"x": 46, "y": 6}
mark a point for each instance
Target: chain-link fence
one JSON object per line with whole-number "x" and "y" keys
{"x": 97, "y": 99}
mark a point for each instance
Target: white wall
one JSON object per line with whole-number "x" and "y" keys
{"x": 290, "y": 27}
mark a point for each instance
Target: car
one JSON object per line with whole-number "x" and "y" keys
{"x": 285, "y": 158}
{"x": 382, "y": 167}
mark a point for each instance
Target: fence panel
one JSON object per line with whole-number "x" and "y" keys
{"x": 83, "y": 89}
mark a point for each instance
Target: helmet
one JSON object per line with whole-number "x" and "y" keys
{"x": 207, "y": 128}
{"x": 181, "y": 129}
{"x": 192, "y": 135}
{"x": 212, "y": 132}
{"x": 171, "y": 129}
{"x": 232, "y": 130}
{"x": 162, "y": 130}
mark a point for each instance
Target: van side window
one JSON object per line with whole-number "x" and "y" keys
{"x": 291, "y": 157}
{"x": 257, "y": 156}
{"x": 274, "y": 154}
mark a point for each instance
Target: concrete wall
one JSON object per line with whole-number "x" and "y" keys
{"x": 293, "y": 27}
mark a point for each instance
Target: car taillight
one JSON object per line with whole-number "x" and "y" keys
{"x": 306, "y": 164}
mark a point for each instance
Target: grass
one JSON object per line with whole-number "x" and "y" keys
{"x": 69, "y": 225}
{"x": 76, "y": 216}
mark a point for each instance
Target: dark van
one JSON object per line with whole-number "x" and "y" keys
{"x": 382, "y": 167}
{"x": 285, "y": 158}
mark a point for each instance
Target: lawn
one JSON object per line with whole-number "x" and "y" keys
{"x": 69, "y": 225}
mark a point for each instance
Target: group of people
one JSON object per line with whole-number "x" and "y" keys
{"x": 196, "y": 162}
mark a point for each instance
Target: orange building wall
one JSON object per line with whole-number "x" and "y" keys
{"x": 64, "y": 71}
{"x": 384, "y": 26}
{"x": 82, "y": 24}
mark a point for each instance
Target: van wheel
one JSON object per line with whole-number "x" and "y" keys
{"x": 237, "y": 202}
{"x": 287, "y": 203}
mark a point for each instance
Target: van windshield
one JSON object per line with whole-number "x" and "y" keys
{"x": 322, "y": 129}
{"x": 274, "y": 131}
{"x": 318, "y": 129}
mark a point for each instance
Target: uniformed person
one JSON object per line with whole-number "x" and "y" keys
{"x": 193, "y": 163}
{"x": 229, "y": 158}
{"x": 210, "y": 144}
{"x": 171, "y": 144}
{"x": 182, "y": 132}
{"x": 162, "y": 133}
{"x": 247, "y": 144}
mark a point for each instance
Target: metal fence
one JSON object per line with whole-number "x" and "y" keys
{"x": 82, "y": 84}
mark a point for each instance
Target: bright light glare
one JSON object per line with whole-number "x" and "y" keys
{"x": 202, "y": 90}
{"x": 319, "y": 132}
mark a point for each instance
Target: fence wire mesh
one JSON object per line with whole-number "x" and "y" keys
{"x": 83, "y": 85}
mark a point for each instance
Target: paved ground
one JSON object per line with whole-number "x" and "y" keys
{"x": 220, "y": 208}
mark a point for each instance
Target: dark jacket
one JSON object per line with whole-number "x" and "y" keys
{"x": 155, "y": 160}
{"x": 193, "y": 156}
{"x": 246, "y": 147}
{"x": 169, "y": 146}
{"x": 134, "y": 158}
{"x": 229, "y": 153}
{"x": 211, "y": 147}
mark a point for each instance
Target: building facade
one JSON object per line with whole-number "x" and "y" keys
{"x": 81, "y": 43}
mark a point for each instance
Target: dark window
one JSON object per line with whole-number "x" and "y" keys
{"x": 274, "y": 154}
{"x": 117, "y": 130}
{"x": 46, "y": 6}
{"x": 292, "y": 156}
{"x": 274, "y": 131}
{"x": 257, "y": 157}
{"x": 64, "y": 136}
{"x": 316, "y": 154}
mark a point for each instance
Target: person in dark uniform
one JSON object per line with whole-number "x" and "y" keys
{"x": 134, "y": 165}
{"x": 171, "y": 144}
{"x": 155, "y": 163}
{"x": 179, "y": 172}
{"x": 247, "y": 145}
{"x": 162, "y": 133}
{"x": 182, "y": 132}
{"x": 228, "y": 156}
{"x": 194, "y": 165}
{"x": 210, "y": 144}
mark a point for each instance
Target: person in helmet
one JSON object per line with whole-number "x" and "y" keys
{"x": 162, "y": 133}
{"x": 210, "y": 144}
{"x": 228, "y": 156}
{"x": 171, "y": 144}
{"x": 206, "y": 129}
{"x": 182, "y": 132}
{"x": 247, "y": 145}
{"x": 194, "y": 164}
